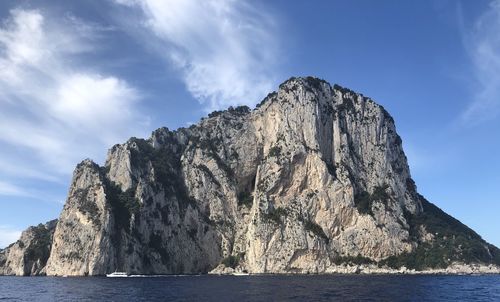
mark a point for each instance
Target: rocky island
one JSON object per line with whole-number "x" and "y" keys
{"x": 313, "y": 180}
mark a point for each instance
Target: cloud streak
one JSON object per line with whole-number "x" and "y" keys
{"x": 226, "y": 51}
{"x": 483, "y": 45}
{"x": 53, "y": 110}
{"x": 8, "y": 189}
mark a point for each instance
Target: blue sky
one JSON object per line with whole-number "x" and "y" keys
{"x": 77, "y": 77}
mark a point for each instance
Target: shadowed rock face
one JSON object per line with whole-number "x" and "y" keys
{"x": 313, "y": 177}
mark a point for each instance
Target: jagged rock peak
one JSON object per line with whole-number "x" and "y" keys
{"x": 87, "y": 164}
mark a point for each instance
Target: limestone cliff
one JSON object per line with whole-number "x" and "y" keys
{"x": 312, "y": 178}
{"x": 28, "y": 256}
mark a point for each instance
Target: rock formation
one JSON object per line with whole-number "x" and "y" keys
{"x": 28, "y": 256}
{"x": 313, "y": 178}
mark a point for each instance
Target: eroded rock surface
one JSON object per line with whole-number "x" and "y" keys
{"x": 313, "y": 178}
{"x": 28, "y": 256}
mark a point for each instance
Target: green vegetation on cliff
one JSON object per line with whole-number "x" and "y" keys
{"x": 453, "y": 242}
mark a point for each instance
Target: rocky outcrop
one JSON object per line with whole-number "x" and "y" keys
{"x": 313, "y": 179}
{"x": 82, "y": 239}
{"x": 106, "y": 226}
{"x": 28, "y": 256}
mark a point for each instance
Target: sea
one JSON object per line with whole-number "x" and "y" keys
{"x": 254, "y": 288}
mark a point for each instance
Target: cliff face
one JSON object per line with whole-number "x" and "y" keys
{"x": 313, "y": 177}
{"x": 28, "y": 256}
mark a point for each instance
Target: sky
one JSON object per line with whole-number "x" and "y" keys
{"x": 77, "y": 77}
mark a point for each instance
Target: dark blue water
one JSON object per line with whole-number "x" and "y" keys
{"x": 254, "y": 288}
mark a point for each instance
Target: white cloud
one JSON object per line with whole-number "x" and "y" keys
{"x": 483, "y": 44}
{"x": 53, "y": 110}
{"x": 94, "y": 104}
{"x": 227, "y": 51}
{"x": 8, "y": 236}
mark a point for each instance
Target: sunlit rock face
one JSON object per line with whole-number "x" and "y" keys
{"x": 313, "y": 178}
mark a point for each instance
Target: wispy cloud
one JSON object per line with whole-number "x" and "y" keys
{"x": 13, "y": 190}
{"x": 53, "y": 109}
{"x": 483, "y": 44}
{"x": 226, "y": 51}
{"x": 8, "y": 189}
{"x": 8, "y": 235}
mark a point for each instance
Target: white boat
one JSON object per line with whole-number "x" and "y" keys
{"x": 117, "y": 274}
{"x": 240, "y": 274}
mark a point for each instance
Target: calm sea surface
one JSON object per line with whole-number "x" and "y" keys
{"x": 253, "y": 288}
